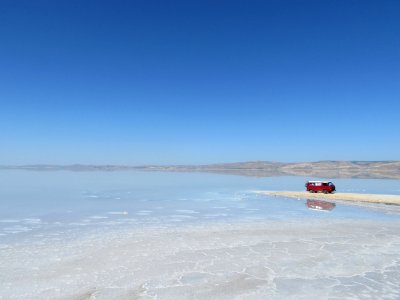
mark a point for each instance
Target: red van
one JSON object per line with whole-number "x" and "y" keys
{"x": 320, "y": 186}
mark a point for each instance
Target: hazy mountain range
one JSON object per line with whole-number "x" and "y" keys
{"x": 323, "y": 169}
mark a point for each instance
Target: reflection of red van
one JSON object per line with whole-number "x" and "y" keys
{"x": 320, "y": 186}
{"x": 320, "y": 205}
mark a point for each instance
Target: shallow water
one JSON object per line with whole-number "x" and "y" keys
{"x": 168, "y": 235}
{"x": 35, "y": 199}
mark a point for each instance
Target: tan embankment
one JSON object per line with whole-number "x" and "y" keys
{"x": 370, "y": 198}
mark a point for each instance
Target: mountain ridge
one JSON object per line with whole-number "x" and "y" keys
{"x": 325, "y": 169}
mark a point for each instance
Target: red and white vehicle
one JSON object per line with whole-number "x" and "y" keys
{"x": 320, "y": 186}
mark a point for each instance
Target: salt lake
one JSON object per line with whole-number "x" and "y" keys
{"x": 121, "y": 235}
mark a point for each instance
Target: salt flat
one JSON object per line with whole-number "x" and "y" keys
{"x": 191, "y": 236}
{"x": 315, "y": 259}
{"x": 355, "y": 197}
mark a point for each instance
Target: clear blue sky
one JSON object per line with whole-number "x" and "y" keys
{"x": 162, "y": 82}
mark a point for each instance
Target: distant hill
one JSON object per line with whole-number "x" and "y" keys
{"x": 323, "y": 169}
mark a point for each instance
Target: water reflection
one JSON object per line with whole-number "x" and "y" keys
{"x": 320, "y": 205}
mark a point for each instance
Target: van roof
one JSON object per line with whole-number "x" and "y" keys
{"x": 314, "y": 181}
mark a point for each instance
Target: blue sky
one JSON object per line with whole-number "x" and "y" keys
{"x": 170, "y": 82}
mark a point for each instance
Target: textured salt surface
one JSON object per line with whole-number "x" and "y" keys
{"x": 173, "y": 236}
{"x": 252, "y": 260}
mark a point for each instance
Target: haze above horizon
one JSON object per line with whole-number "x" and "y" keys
{"x": 182, "y": 82}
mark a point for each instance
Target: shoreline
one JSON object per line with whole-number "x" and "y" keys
{"x": 351, "y": 197}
